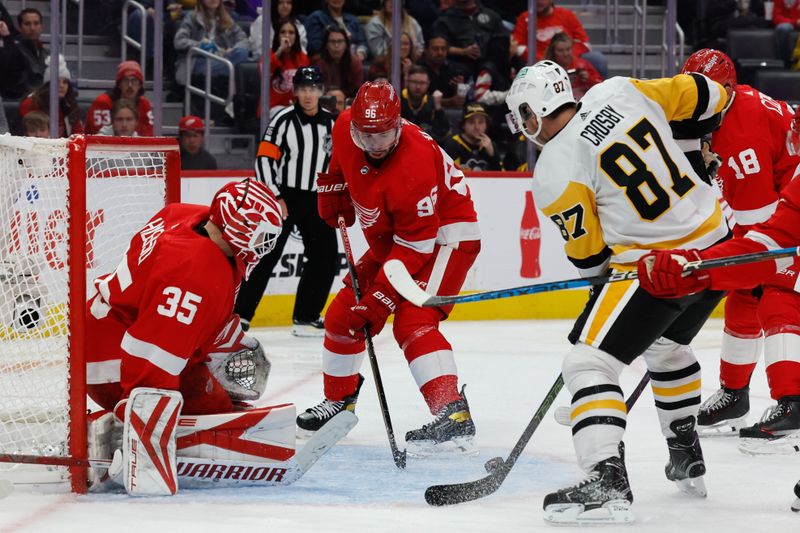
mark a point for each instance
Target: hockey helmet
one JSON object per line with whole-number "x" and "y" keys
{"x": 375, "y": 123}
{"x": 308, "y": 77}
{"x": 538, "y": 90}
{"x": 249, "y": 217}
{"x": 713, "y": 64}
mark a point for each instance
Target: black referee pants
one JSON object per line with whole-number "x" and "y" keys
{"x": 321, "y": 260}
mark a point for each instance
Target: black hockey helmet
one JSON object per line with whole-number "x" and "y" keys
{"x": 308, "y": 76}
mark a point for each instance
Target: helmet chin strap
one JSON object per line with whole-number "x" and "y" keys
{"x": 534, "y": 137}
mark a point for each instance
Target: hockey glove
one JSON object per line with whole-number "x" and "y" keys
{"x": 661, "y": 274}
{"x": 372, "y": 311}
{"x": 333, "y": 199}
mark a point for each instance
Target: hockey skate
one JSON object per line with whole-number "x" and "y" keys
{"x": 796, "y": 504}
{"x": 604, "y": 497}
{"x": 777, "y": 433}
{"x": 686, "y": 466}
{"x": 453, "y": 431}
{"x": 315, "y": 417}
{"x": 724, "y": 413}
{"x": 314, "y": 328}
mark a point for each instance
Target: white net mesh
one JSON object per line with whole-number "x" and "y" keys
{"x": 123, "y": 190}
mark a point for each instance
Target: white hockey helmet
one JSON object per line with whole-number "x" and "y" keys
{"x": 537, "y": 90}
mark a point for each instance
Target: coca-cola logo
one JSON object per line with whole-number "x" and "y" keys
{"x": 530, "y": 234}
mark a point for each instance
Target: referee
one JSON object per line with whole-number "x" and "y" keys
{"x": 297, "y": 145}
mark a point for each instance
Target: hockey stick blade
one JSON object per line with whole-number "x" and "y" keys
{"x": 439, "y": 495}
{"x": 404, "y": 284}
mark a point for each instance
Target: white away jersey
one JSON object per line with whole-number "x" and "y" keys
{"x": 616, "y": 183}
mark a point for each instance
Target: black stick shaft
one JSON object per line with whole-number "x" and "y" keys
{"x": 398, "y": 456}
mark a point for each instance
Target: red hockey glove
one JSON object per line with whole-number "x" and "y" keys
{"x": 333, "y": 199}
{"x": 372, "y": 310}
{"x": 661, "y": 274}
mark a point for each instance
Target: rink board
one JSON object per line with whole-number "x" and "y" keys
{"x": 499, "y": 201}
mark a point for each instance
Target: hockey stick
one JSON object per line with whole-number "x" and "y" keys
{"x": 403, "y": 283}
{"x": 398, "y": 456}
{"x": 563, "y": 414}
{"x": 472, "y": 490}
{"x": 205, "y": 472}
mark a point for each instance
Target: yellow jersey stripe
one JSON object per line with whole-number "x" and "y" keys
{"x": 710, "y": 224}
{"x": 678, "y": 96}
{"x": 608, "y": 301}
{"x": 598, "y": 404}
{"x": 677, "y": 391}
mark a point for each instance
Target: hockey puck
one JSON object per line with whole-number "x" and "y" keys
{"x": 493, "y": 464}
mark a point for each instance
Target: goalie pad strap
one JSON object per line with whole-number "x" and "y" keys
{"x": 148, "y": 444}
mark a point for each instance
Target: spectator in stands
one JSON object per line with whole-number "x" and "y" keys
{"x": 7, "y": 21}
{"x": 36, "y": 124}
{"x": 173, "y": 12}
{"x": 281, "y": 9}
{"x": 423, "y": 108}
{"x": 786, "y": 17}
{"x": 445, "y": 77}
{"x": 334, "y": 101}
{"x": 69, "y": 114}
{"x": 425, "y": 12}
{"x": 333, "y": 15}
{"x": 23, "y": 55}
{"x": 124, "y": 119}
{"x": 582, "y": 74}
{"x": 338, "y": 66}
{"x": 383, "y": 64}
{"x": 472, "y": 148}
{"x": 469, "y": 27}
{"x": 285, "y": 59}
{"x": 191, "y": 136}
{"x": 129, "y": 85}
{"x": 210, "y": 28}
{"x": 551, "y": 19}
{"x": 716, "y": 17}
{"x": 379, "y": 32}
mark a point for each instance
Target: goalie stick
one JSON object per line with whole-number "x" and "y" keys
{"x": 403, "y": 283}
{"x": 398, "y": 456}
{"x": 563, "y": 414}
{"x": 473, "y": 490}
{"x": 201, "y": 472}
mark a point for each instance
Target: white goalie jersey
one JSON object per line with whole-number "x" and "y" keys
{"x": 625, "y": 186}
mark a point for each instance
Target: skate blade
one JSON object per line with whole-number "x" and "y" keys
{"x": 420, "y": 449}
{"x": 726, "y": 428}
{"x": 779, "y": 446}
{"x": 693, "y": 486}
{"x": 796, "y": 506}
{"x": 307, "y": 332}
{"x": 303, "y": 434}
{"x": 614, "y": 512}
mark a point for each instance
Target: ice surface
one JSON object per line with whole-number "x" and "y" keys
{"x": 508, "y": 367}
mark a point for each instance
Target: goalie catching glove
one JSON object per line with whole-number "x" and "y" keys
{"x": 661, "y": 274}
{"x": 238, "y": 362}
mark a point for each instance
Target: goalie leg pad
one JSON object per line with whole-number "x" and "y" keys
{"x": 148, "y": 442}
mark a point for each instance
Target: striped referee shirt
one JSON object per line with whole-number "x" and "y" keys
{"x": 294, "y": 148}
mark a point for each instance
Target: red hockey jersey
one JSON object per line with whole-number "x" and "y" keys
{"x": 751, "y": 143}
{"x": 415, "y": 199}
{"x": 782, "y": 230}
{"x": 158, "y": 314}
{"x": 99, "y": 115}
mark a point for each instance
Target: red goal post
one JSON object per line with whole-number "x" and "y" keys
{"x": 68, "y": 209}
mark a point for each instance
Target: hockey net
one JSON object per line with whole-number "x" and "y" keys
{"x": 68, "y": 209}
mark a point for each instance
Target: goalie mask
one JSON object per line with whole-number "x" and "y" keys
{"x": 375, "y": 124}
{"x": 248, "y": 215}
{"x": 538, "y": 91}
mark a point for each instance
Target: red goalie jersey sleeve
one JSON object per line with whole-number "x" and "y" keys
{"x": 411, "y": 201}
{"x": 755, "y": 164}
{"x": 160, "y": 311}
{"x": 780, "y": 231}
